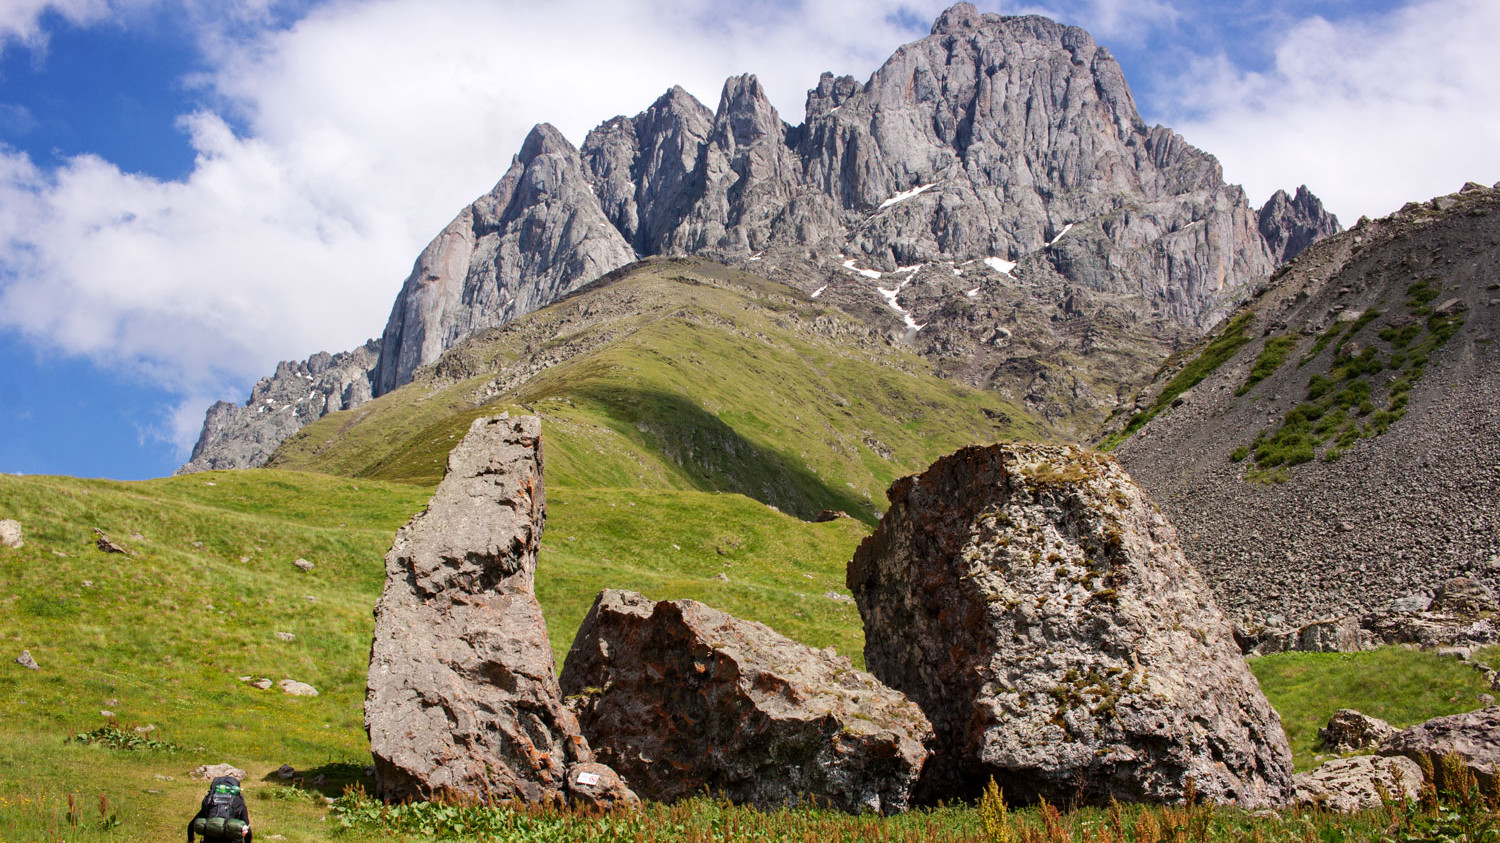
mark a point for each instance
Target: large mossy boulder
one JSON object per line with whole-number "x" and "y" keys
{"x": 1037, "y": 606}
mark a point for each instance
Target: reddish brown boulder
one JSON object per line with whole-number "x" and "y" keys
{"x": 683, "y": 699}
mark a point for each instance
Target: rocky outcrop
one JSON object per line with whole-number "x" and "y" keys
{"x": 462, "y": 698}
{"x": 1350, "y": 731}
{"x": 537, "y": 235}
{"x": 1036, "y": 605}
{"x": 1290, "y": 224}
{"x": 1381, "y": 484}
{"x": 1332, "y": 635}
{"x": 1361, "y": 783}
{"x": 1472, "y": 736}
{"x": 1461, "y": 613}
{"x": 683, "y": 700}
{"x": 298, "y": 394}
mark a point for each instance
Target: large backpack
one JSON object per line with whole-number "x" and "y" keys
{"x": 219, "y": 821}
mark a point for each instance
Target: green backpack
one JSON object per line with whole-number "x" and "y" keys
{"x": 218, "y": 822}
{"x": 219, "y": 828}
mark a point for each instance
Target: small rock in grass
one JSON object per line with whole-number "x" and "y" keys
{"x": 25, "y": 660}
{"x": 109, "y": 545}
{"x": 1349, "y": 730}
{"x": 214, "y": 771}
{"x": 106, "y": 713}
{"x": 721, "y": 577}
{"x": 285, "y": 771}
{"x": 285, "y": 636}
{"x": 263, "y": 684}
{"x": 304, "y": 564}
{"x": 598, "y": 787}
{"x": 10, "y": 533}
{"x": 1354, "y": 784}
{"x": 297, "y": 689}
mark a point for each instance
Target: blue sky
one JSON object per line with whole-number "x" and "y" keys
{"x": 192, "y": 190}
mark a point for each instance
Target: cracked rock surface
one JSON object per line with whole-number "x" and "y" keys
{"x": 1037, "y": 606}
{"x": 462, "y": 698}
{"x": 684, "y": 699}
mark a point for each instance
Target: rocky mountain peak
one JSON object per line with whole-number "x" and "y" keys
{"x": 830, "y": 93}
{"x": 745, "y": 113}
{"x": 544, "y": 139}
{"x": 957, "y": 18}
{"x": 1008, "y": 145}
{"x": 1292, "y": 223}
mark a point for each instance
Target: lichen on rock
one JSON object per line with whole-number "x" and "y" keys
{"x": 1036, "y": 605}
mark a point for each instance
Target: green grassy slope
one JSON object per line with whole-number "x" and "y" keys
{"x": 161, "y": 637}
{"x": 684, "y": 375}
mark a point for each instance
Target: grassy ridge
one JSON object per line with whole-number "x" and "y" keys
{"x": 681, "y": 375}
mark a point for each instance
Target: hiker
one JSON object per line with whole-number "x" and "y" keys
{"x": 223, "y": 817}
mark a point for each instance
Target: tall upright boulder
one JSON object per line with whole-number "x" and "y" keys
{"x": 684, "y": 699}
{"x": 1036, "y": 605}
{"x": 462, "y": 698}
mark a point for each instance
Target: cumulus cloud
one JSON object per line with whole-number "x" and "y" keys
{"x": 343, "y": 134}
{"x": 338, "y": 146}
{"x": 1369, "y": 113}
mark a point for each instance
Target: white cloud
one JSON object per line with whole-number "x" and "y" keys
{"x": 1370, "y": 114}
{"x": 366, "y": 127}
{"x": 20, "y": 20}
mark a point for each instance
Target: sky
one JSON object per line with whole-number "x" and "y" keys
{"x": 193, "y": 190}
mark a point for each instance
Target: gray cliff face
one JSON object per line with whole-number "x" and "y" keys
{"x": 298, "y": 394}
{"x": 642, "y": 168}
{"x": 999, "y": 155}
{"x": 538, "y": 234}
{"x": 1292, "y": 223}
